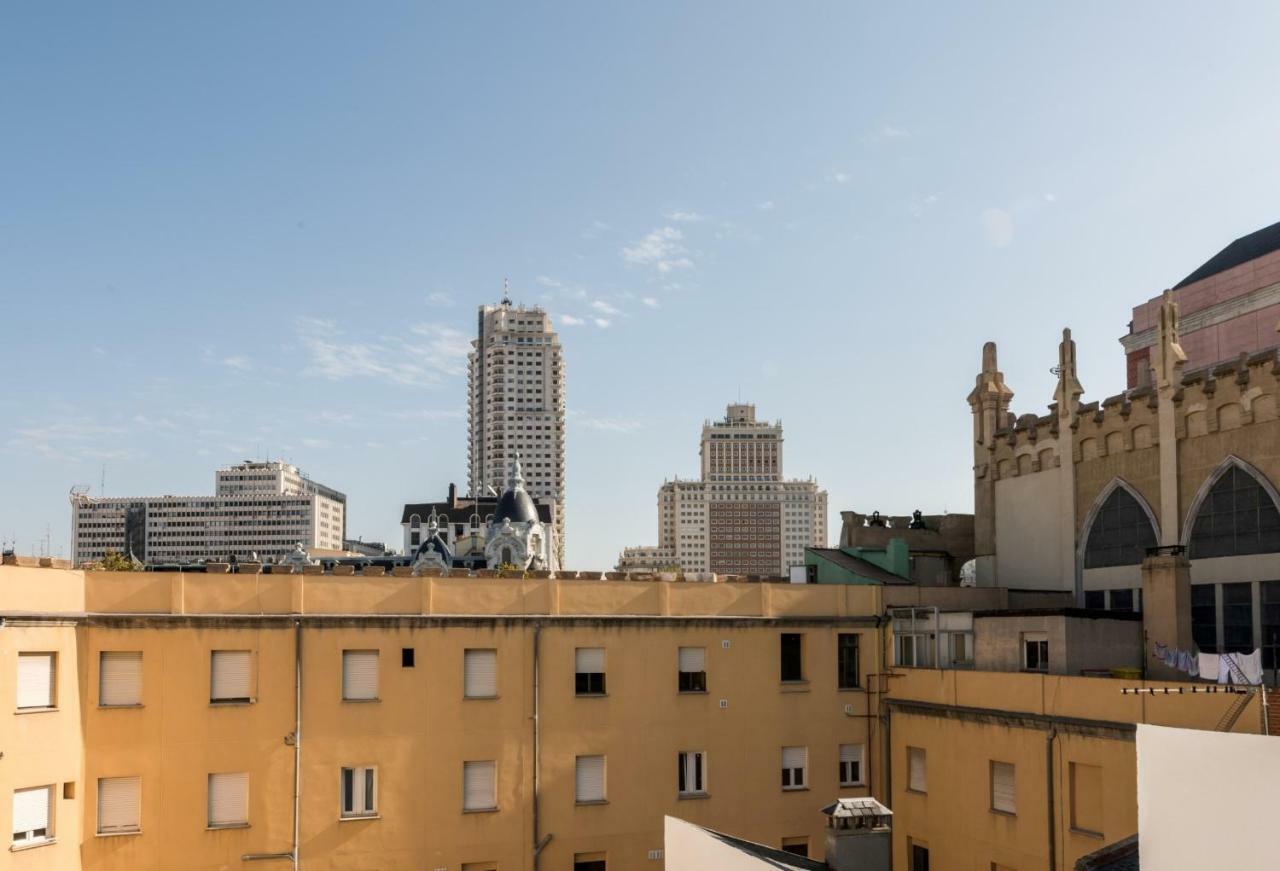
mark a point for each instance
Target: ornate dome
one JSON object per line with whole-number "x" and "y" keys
{"x": 515, "y": 505}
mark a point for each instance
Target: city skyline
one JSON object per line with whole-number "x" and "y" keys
{"x": 825, "y": 210}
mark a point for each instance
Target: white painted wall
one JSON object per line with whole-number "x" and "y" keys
{"x": 1206, "y": 799}
{"x": 687, "y": 847}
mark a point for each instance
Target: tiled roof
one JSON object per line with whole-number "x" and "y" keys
{"x": 1120, "y": 856}
{"x": 1244, "y": 249}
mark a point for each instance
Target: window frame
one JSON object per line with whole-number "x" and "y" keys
{"x": 359, "y": 789}
{"x": 842, "y": 666}
{"x": 691, "y": 765}
{"x": 995, "y": 766}
{"x": 52, "y": 703}
{"x": 377, "y": 674}
{"x": 691, "y": 681}
{"x": 791, "y": 662}
{"x": 917, "y": 762}
{"x": 103, "y": 657}
{"x": 790, "y": 783}
{"x": 467, "y": 765}
{"x": 1041, "y": 642}
{"x": 29, "y": 837}
{"x": 136, "y": 827}
{"x": 231, "y": 700}
{"x": 231, "y": 824}
{"x": 588, "y": 683}
{"x": 861, "y": 779}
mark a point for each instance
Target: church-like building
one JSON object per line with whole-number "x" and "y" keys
{"x": 512, "y": 530}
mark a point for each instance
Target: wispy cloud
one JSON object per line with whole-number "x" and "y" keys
{"x": 315, "y": 443}
{"x": 888, "y": 131}
{"x": 238, "y": 362}
{"x": 604, "y": 308}
{"x": 685, "y": 216}
{"x": 614, "y": 423}
{"x": 602, "y": 323}
{"x": 548, "y": 281}
{"x": 429, "y": 414}
{"x": 650, "y": 301}
{"x": 428, "y": 355}
{"x": 662, "y": 249}
{"x": 70, "y": 440}
{"x": 595, "y": 230}
{"x": 766, "y": 206}
{"x": 840, "y": 177}
{"x": 569, "y": 321}
{"x": 440, "y": 297}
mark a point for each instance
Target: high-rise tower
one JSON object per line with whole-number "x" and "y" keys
{"x": 516, "y": 405}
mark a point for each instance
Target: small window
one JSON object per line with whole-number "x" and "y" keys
{"x": 919, "y": 857}
{"x": 795, "y": 762}
{"x": 119, "y": 678}
{"x": 693, "y": 670}
{"x": 359, "y": 675}
{"x": 406, "y": 657}
{"x": 479, "y": 786}
{"x": 589, "y": 862}
{"x": 1122, "y": 600}
{"x": 228, "y": 800}
{"x": 32, "y": 815}
{"x": 589, "y": 671}
{"x": 119, "y": 805}
{"x": 1035, "y": 651}
{"x": 792, "y": 656}
{"x": 359, "y": 792}
{"x": 692, "y": 773}
{"x": 851, "y": 765}
{"x": 480, "y": 674}
{"x": 37, "y": 684}
{"x": 1095, "y": 600}
{"x": 231, "y": 676}
{"x": 589, "y": 779}
{"x": 916, "y": 781}
{"x": 1003, "y": 791}
{"x": 847, "y": 661}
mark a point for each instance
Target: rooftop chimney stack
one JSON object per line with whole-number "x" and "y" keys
{"x": 858, "y": 835}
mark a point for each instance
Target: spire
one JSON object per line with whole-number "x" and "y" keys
{"x": 517, "y": 479}
{"x": 1068, "y": 392}
{"x": 506, "y": 292}
{"x": 989, "y": 398}
{"x": 1167, "y": 356}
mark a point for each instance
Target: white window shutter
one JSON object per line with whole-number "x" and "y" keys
{"x": 31, "y": 811}
{"x": 693, "y": 659}
{"x": 1003, "y": 794}
{"x": 850, "y": 764}
{"x": 794, "y": 757}
{"x": 120, "y": 677}
{"x": 589, "y": 660}
{"x": 589, "y": 778}
{"x": 480, "y": 673}
{"x": 360, "y": 674}
{"x": 232, "y": 675}
{"x": 915, "y": 769}
{"x": 119, "y": 804}
{"x": 228, "y": 799}
{"x": 479, "y": 785}
{"x": 35, "y": 680}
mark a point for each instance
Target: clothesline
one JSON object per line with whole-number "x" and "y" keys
{"x": 1226, "y": 668}
{"x": 1177, "y": 691}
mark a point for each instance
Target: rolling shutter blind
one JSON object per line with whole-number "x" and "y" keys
{"x": 589, "y": 660}
{"x": 480, "y": 673}
{"x": 119, "y": 799}
{"x": 35, "y": 680}
{"x": 228, "y": 799}
{"x": 30, "y": 810}
{"x": 232, "y": 675}
{"x": 693, "y": 659}
{"x": 120, "y": 677}
{"x": 1003, "y": 797}
{"x": 360, "y": 674}
{"x": 589, "y": 778}
{"x": 793, "y": 757}
{"x": 850, "y": 763}
{"x": 915, "y": 769}
{"x": 478, "y": 786}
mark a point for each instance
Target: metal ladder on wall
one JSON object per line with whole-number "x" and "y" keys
{"x": 1232, "y": 713}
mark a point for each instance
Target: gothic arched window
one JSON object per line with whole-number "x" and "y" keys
{"x": 1121, "y": 533}
{"x": 1236, "y": 517}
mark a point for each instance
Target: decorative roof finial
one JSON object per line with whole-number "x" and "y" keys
{"x": 517, "y": 479}
{"x": 1168, "y": 357}
{"x": 506, "y": 292}
{"x": 1068, "y": 391}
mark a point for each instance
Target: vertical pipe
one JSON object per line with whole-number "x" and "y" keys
{"x": 537, "y": 756}
{"x": 297, "y": 736}
{"x": 1048, "y": 758}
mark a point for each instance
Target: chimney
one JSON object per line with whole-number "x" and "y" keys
{"x": 453, "y": 495}
{"x": 858, "y": 835}
{"x": 1166, "y": 607}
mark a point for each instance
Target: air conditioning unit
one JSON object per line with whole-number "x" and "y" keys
{"x": 724, "y": 703}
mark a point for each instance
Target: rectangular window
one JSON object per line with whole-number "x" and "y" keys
{"x": 1095, "y": 600}
{"x": 919, "y": 857}
{"x": 1122, "y": 600}
{"x": 1086, "y": 798}
{"x": 851, "y": 765}
{"x": 916, "y": 781}
{"x": 479, "y": 786}
{"x": 359, "y": 792}
{"x": 119, "y": 678}
{"x": 961, "y": 648}
{"x": 1003, "y": 791}
{"x": 847, "y": 661}
{"x": 1035, "y": 651}
{"x": 589, "y": 862}
{"x": 1237, "y": 618}
{"x": 1270, "y": 623}
{"x": 406, "y": 657}
{"x": 792, "y": 656}
{"x": 589, "y": 671}
{"x": 119, "y": 805}
{"x": 480, "y": 674}
{"x": 693, "y": 669}
{"x": 795, "y": 763}
{"x": 692, "y": 772}
{"x": 32, "y": 815}
{"x": 1204, "y": 616}
{"x": 359, "y": 675}
{"x": 589, "y": 779}
{"x": 37, "y": 685}
{"x": 231, "y": 676}
{"x": 228, "y": 800}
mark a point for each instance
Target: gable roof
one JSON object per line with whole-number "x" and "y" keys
{"x": 1242, "y": 250}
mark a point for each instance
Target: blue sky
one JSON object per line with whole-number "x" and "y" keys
{"x": 232, "y": 230}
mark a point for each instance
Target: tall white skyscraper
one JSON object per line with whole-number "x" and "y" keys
{"x": 516, "y": 405}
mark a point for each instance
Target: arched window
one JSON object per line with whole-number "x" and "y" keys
{"x": 507, "y": 559}
{"x": 415, "y": 521}
{"x": 1237, "y": 516}
{"x": 1120, "y": 534}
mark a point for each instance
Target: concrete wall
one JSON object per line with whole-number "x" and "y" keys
{"x": 1075, "y": 643}
{"x": 1028, "y": 533}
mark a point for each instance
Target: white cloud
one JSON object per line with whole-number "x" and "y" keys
{"x": 1050, "y": 198}
{"x": 888, "y": 131}
{"x": 70, "y": 440}
{"x": 766, "y": 206}
{"x": 997, "y": 227}
{"x": 650, "y": 301}
{"x": 606, "y": 424}
{"x": 238, "y": 362}
{"x": 595, "y": 230}
{"x": 569, "y": 321}
{"x": 841, "y": 177}
{"x": 424, "y": 358}
{"x": 661, "y": 249}
{"x": 440, "y": 297}
{"x": 547, "y": 281}
{"x": 602, "y": 323}
{"x": 604, "y": 308}
{"x": 685, "y": 216}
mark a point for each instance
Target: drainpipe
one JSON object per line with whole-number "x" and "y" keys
{"x": 538, "y": 842}
{"x": 296, "y": 740}
{"x": 1053, "y": 816}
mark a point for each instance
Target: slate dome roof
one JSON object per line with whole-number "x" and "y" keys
{"x": 517, "y": 506}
